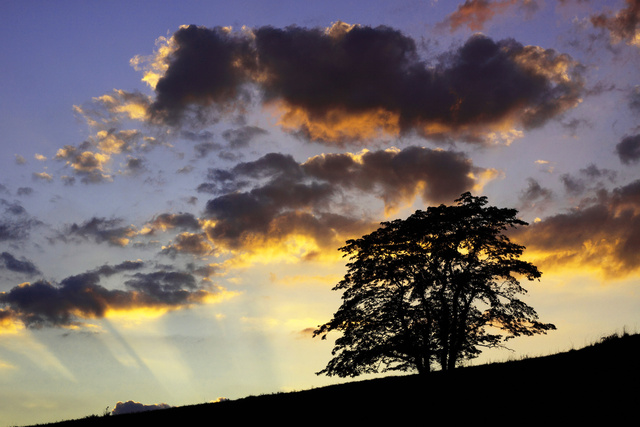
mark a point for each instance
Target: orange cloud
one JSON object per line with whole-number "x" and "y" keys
{"x": 474, "y": 14}
{"x": 338, "y": 125}
{"x": 602, "y": 236}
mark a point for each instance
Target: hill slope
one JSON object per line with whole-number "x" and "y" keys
{"x": 598, "y": 383}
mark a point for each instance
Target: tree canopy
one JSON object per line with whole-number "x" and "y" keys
{"x": 434, "y": 288}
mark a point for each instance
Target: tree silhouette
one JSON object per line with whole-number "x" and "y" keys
{"x": 433, "y": 288}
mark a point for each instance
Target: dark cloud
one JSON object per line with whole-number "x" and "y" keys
{"x": 24, "y": 191}
{"x": 591, "y": 178}
{"x": 13, "y": 209}
{"x": 203, "y": 270}
{"x": 572, "y": 185}
{"x": 535, "y": 194}
{"x": 125, "y": 266}
{"x": 23, "y": 266}
{"x": 275, "y": 195}
{"x": 352, "y": 82}
{"x": 204, "y": 148}
{"x": 164, "y": 287}
{"x": 42, "y": 303}
{"x": 15, "y": 223}
{"x": 397, "y": 176}
{"x": 602, "y": 234}
{"x": 189, "y": 243}
{"x": 134, "y": 166}
{"x": 207, "y": 69}
{"x": 80, "y": 297}
{"x": 207, "y": 187}
{"x": 634, "y": 99}
{"x": 203, "y": 136}
{"x": 239, "y": 138}
{"x": 180, "y": 221}
{"x": 624, "y": 25}
{"x": 595, "y": 173}
{"x": 68, "y": 180}
{"x": 99, "y": 230}
{"x": 573, "y": 125}
{"x": 269, "y": 210}
{"x": 628, "y": 149}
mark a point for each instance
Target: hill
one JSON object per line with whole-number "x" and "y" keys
{"x": 598, "y": 383}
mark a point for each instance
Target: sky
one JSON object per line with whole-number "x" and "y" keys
{"x": 177, "y": 178}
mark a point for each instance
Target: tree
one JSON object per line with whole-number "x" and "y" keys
{"x": 431, "y": 289}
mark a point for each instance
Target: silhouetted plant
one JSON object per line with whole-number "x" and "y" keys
{"x": 430, "y": 289}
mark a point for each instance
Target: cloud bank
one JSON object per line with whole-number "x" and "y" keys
{"x": 82, "y": 297}
{"x": 602, "y": 234}
{"x": 352, "y": 83}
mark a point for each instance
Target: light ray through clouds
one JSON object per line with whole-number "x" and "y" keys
{"x": 173, "y": 238}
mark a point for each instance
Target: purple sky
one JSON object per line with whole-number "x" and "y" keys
{"x": 177, "y": 178}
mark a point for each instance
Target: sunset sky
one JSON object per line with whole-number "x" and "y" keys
{"x": 178, "y": 176}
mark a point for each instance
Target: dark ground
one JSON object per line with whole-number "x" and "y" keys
{"x": 598, "y": 384}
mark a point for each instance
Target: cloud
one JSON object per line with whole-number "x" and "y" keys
{"x": 100, "y": 230}
{"x": 166, "y": 221}
{"x": 206, "y": 68}
{"x": 24, "y": 191}
{"x": 204, "y": 148}
{"x": 15, "y": 223}
{"x": 634, "y": 99}
{"x": 601, "y": 234}
{"x": 23, "y": 266}
{"x": 474, "y": 14}
{"x": 351, "y": 83}
{"x": 133, "y": 165}
{"x": 81, "y": 297}
{"x": 275, "y": 198}
{"x": 535, "y": 196}
{"x": 624, "y": 25}
{"x": 241, "y": 137}
{"x": 590, "y": 179}
{"x": 125, "y": 266}
{"x": 398, "y": 176}
{"x": 90, "y": 165}
{"x": 628, "y": 149}
{"x": 110, "y": 116}
{"x": 112, "y": 108}
{"x": 189, "y": 243}
{"x": 42, "y": 176}
{"x": 130, "y": 406}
